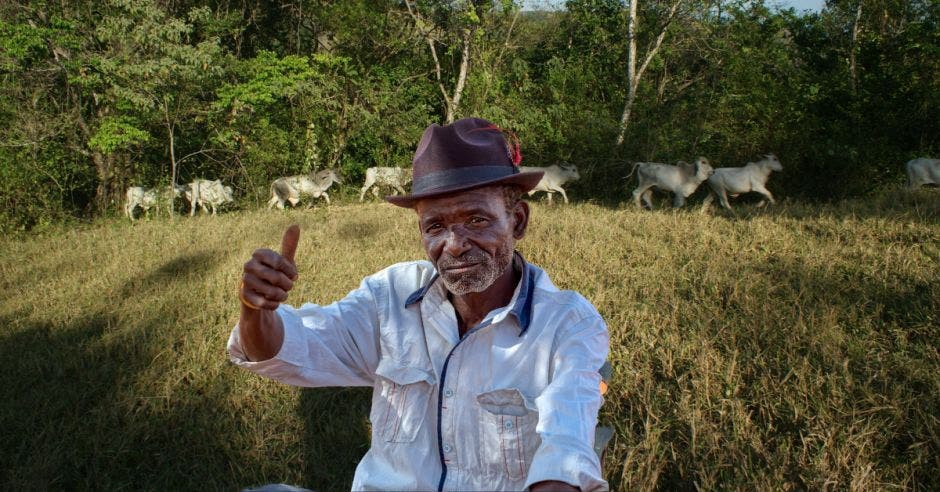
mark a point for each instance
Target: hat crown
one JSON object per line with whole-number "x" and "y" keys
{"x": 466, "y": 142}
{"x": 466, "y": 154}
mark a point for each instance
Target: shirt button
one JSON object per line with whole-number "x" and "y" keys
{"x": 448, "y": 393}
{"x": 447, "y": 448}
{"x": 508, "y": 424}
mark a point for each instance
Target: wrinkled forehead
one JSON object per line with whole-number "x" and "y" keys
{"x": 489, "y": 198}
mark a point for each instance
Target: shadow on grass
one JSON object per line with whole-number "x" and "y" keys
{"x": 104, "y": 401}
{"x": 183, "y": 267}
{"x": 336, "y": 435}
{"x": 360, "y": 230}
{"x": 75, "y": 415}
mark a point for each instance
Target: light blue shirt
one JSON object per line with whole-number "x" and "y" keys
{"x": 512, "y": 403}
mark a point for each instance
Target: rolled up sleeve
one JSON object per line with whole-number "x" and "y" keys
{"x": 568, "y": 409}
{"x": 334, "y": 345}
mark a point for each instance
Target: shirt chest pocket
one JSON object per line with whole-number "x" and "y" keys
{"x": 401, "y": 404}
{"x": 507, "y": 432}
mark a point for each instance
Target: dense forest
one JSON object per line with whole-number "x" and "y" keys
{"x": 96, "y": 96}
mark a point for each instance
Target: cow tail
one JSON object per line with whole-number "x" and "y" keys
{"x": 635, "y": 164}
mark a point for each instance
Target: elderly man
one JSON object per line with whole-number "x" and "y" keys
{"x": 484, "y": 374}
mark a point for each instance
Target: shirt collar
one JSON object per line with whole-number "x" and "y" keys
{"x": 522, "y": 307}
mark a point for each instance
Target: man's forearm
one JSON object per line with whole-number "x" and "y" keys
{"x": 261, "y": 333}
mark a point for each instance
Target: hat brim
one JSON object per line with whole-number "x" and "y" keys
{"x": 525, "y": 181}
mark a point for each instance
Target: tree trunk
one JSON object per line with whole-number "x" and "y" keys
{"x": 104, "y": 164}
{"x": 451, "y": 102}
{"x": 461, "y": 78}
{"x": 631, "y": 72}
{"x": 853, "y": 69}
{"x": 634, "y": 73}
{"x": 104, "y": 167}
{"x": 172, "y": 140}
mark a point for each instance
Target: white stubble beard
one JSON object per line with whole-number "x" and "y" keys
{"x": 490, "y": 269}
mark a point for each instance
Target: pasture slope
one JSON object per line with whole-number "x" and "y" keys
{"x": 787, "y": 348}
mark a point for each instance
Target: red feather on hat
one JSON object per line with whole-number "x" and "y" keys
{"x": 513, "y": 147}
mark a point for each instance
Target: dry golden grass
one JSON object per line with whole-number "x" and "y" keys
{"x": 787, "y": 348}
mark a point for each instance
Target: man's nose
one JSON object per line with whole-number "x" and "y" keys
{"x": 455, "y": 243}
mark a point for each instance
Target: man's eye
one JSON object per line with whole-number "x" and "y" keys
{"x": 433, "y": 228}
{"x": 477, "y": 220}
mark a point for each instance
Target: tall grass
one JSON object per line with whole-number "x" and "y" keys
{"x": 786, "y": 348}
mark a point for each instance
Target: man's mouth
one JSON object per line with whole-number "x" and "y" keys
{"x": 464, "y": 267}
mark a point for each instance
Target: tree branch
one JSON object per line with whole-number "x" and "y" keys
{"x": 651, "y": 52}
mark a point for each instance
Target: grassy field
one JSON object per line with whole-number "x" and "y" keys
{"x": 791, "y": 348}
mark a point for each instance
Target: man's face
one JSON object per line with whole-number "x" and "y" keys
{"x": 470, "y": 236}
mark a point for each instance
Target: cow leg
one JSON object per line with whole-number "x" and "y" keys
{"x": 550, "y": 194}
{"x": 636, "y": 197}
{"x": 645, "y": 193}
{"x": 327, "y": 198}
{"x": 766, "y": 193}
{"x": 723, "y": 199}
{"x": 563, "y": 195}
{"x": 708, "y": 200}
{"x": 678, "y": 200}
{"x": 400, "y": 190}
{"x": 365, "y": 187}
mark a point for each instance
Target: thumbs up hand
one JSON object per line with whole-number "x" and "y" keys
{"x": 269, "y": 276}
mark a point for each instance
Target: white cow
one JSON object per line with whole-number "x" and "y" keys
{"x": 682, "y": 180}
{"x": 208, "y": 195}
{"x": 737, "y": 180}
{"x": 394, "y": 177}
{"x": 922, "y": 171}
{"x": 554, "y": 176}
{"x": 292, "y": 188}
{"x": 137, "y": 196}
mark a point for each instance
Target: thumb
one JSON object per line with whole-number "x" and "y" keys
{"x": 289, "y": 242}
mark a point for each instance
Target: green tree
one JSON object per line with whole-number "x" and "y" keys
{"x": 155, "y": 68}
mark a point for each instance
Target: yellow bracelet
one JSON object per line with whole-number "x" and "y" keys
{"x": 241, "y": 297}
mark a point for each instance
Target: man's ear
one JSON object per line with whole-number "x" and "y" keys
{"x": 520, "y": 215}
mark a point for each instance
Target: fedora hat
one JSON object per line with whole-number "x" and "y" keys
{"x": 466, "y": 154}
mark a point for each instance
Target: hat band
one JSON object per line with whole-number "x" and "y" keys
{"x": 461, "y": 176}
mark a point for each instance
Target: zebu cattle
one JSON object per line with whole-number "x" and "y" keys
{"x": 292, "y": 188}
{"x": 137, "y": 196}
{"x": 682, "y": 180}
{"x": 737, "y": 180}
{"x": 552, "y": 178}
{"x": 394, "y": 177}
{"x": 922, "y": 171}
{"x": 208, "y": 195}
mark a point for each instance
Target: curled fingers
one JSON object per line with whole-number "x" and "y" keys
{"x": 275, "y": 261}
{"x": 268, "y": 296}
